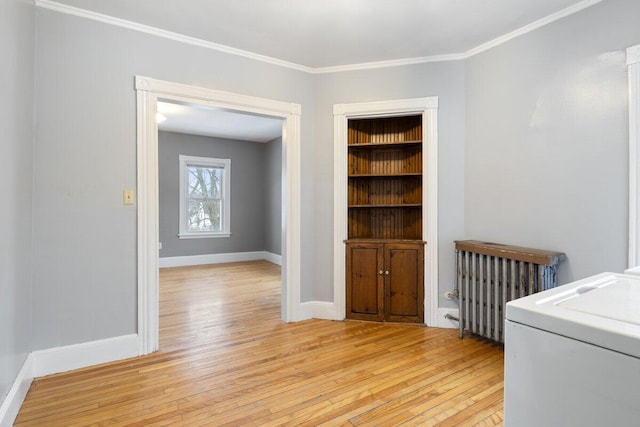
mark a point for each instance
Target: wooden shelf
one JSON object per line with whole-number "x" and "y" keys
{"x": 385, "y": 162}
{"x": 368, "y": 146}
{"x": 399, "y": 161}
{"x": 400, "y": 205}
{"x": 385, "y": 175}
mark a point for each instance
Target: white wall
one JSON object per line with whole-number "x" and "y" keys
{"x": 547, "y": 138}
{"x": 84, "y": 238}
{"x": 17, "y": 26}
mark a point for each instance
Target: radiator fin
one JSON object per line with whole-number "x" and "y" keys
{"x": 487, "y": 281}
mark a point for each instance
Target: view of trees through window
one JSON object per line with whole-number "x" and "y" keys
{"x": 204, "y": 198}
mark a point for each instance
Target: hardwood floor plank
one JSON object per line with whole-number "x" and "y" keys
{"x": 225, "y": 358}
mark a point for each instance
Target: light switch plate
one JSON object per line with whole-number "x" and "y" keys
{"x": 128, "y": 197}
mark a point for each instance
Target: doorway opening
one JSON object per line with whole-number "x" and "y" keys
{"x": 220, "y": 220}
{"x": 149, "y": 92}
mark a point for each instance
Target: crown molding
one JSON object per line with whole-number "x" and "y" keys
{"x": 83, "y": 13}
{"x": 390, "y": 63}
{"x": 147, "y": 29}
{"x": 531, "y": 27}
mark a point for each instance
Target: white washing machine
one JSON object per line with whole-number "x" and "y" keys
{"x": 572, "y": 355}
{"x": 635, "y": 271}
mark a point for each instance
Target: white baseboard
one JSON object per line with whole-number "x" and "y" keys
{"x": 271, "y": 257}
{"x": 183, "y": 261}
{"x": 320, "y": 310}
{"x": 61, "y": 359}
{"x": 11, "y": 405}
{"x": 327, "y": 310}
{"x": 304, "y": 312}
{"x": 443, "y": 322}
{"x": 76, "y": 356}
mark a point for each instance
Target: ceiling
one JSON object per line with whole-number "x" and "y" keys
{"x": 332, "y": 33}
{"x": 196, "y": 119}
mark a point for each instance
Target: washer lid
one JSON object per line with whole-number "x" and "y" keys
{"x": 603, "y": 310}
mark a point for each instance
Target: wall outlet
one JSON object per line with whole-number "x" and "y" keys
{"x": 159, "y": 245}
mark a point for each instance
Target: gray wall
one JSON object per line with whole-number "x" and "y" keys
{"x": 547, "y": 139}
{"x": 84, "y": 238}
{"x": 544, "y": 162}
{"x": 250, "y": 207}
{"x": 17, "y": 30}
{"x": 443, "y": 79}
{"x": 273, "y": 196}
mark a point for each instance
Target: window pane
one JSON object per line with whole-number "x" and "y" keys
{"x": 204, "y": 182}
{"x": 204, "y": 215}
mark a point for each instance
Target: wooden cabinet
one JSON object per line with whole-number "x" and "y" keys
{"x": 385, "y": 251}
{"x": 385, "y": 281}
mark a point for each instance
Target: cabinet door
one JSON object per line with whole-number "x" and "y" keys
{"x": 404, "y": 285}
{"x": 365, "y": 297}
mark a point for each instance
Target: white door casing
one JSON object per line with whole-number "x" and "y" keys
{"x": 428, "y": 108}
{"x": 148, "y": 92}
{"x": 633, "y": 62}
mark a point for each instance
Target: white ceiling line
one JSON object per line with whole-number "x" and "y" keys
{"x": 390, "y": 63}
{"x": 530, "y": 27}
{"x": 147, "y": 29}
{"x": 107, "y": 19}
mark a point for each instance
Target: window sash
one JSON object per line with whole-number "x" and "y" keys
{"x": 219, "y": 221}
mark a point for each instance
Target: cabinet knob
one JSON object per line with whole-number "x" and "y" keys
{"x": 386, "y": 272}
{"x": 381, "y": 272}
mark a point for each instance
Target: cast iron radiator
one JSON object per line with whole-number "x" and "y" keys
{"x": 490, "y": 274}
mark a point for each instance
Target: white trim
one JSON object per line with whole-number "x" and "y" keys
{"x": 216, "y": 98}
{"x": 430, "y": 215}
{"x": 320, "y": 309}
{"x": 389, "y": 63}
{"x": 292, "y": 224}
{"x": 13, "y": 401}
{"x": 148, "y": 92}
{"x": 183, "y": 261}
{"x": 531, "y": 27}
{"x": 135, "y": 26}
{"x": 202, "y": 235}
{"x": 428, "y": 107}
{"x": 272, "y": 258}
{"x": 340, "y": 228}
{"x": 443, "y": 322}
{"x": 147, "y": 224}
{"x": 211, "y": 162}
{"x": 147, "y": 220}
{"x": 633, "y": 55}
{"x": 633, "y": 59}
{"x": 154, "y": 31}
{"x": 385, "y": 108}
{"x": 76, "y": 356}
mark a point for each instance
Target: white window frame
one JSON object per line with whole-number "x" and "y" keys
{"x": 225, "y": 164}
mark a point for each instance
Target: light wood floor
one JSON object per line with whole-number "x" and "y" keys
{"x": 227, "y": 359}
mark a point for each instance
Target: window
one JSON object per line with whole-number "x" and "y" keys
{"x": 204, "y": 197}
